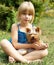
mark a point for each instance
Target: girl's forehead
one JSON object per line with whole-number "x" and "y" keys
{"x": 27, "y": 10}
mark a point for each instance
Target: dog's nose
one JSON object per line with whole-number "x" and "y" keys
{"x": 32, "y": 38}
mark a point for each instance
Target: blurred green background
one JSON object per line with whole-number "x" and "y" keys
{"x": 8, "y": 10}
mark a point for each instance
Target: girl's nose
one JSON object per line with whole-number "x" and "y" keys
{"x": 26, "y": 15}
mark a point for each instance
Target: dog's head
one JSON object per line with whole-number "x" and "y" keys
{"x": 33, "y": 34}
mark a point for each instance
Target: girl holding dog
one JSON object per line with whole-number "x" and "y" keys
{"x": 25, "y": 15}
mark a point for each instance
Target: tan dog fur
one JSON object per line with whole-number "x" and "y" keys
{"x": 34, "y": 36}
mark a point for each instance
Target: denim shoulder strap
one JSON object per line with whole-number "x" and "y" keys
{"x": 18, "y": 25}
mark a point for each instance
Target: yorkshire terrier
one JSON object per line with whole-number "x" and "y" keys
{"x": 33, "y": 36}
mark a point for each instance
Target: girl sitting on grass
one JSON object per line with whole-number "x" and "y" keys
{"x": 18, "y": 39}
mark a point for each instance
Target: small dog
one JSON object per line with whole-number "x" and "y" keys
{"x": 33, "y": 36}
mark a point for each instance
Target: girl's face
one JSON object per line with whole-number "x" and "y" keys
{"x": 26, "y": 17}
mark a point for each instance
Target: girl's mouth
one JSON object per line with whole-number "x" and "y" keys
{"x": 26, "y": 20}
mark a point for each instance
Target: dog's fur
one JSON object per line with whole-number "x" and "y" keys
{"x": 33, "y": 35}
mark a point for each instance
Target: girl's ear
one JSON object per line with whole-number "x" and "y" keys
{"x": 28, "y": 30}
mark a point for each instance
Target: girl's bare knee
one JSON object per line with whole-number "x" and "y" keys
{"x": 2, "y": 43}
{"x": 44, "y": 53}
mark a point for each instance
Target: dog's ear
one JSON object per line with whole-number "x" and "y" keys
{"x": 28, "y": 30}
{"x": 38, "y": 30}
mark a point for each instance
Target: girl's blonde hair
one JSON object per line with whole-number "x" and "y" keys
{"x": 26, "y": 6}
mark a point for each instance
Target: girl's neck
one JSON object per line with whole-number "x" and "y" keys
{"x": 23, "y": 24}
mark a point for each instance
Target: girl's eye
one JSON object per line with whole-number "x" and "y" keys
{"x": 29, "y": 14}
{"x": 24, "y": 13}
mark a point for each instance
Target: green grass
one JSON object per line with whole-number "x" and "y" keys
{"x": 47, "y": 26}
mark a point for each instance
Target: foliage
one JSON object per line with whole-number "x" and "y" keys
{"x": 11, "y": 19}
{"x": 9, "y": 3}
{"x": 7, "y": 17}
{"x": 39, "y": 9}
{"x": 8, "y": 9}
{"x": 3, "y": 14}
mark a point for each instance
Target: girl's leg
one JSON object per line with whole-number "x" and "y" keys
{"x": 37, "y": 54}
{"x": 11, "y": 51}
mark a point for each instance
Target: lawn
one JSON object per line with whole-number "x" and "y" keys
{"x": 47, "y": 26}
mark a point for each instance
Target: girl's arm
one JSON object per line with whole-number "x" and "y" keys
{"x": 40, "y": 46}
{"x": 14, "y": 34}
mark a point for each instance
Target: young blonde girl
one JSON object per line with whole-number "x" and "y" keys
{"x": 18, "y": 39}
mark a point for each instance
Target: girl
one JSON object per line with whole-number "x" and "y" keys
{"x": 18, "y": 40}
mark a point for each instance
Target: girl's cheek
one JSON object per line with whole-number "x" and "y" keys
{"x": 31, "y": 18}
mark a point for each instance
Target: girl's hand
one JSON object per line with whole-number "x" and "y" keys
{"x": 36, "y": 46}
{"x": 44, "y": 46}
{"x": 39, "y": 46}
